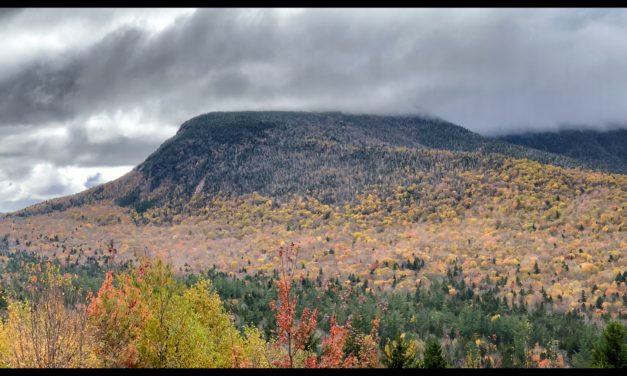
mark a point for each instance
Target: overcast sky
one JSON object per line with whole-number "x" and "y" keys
{"x": 86, "y": 94}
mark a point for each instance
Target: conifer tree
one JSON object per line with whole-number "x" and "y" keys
{"x": 433, "y": 355}
{"x": 611, "y": 351}
{"x": 399, "y": 354}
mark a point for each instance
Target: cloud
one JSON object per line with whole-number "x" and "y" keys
{"x": 94, "y": 180}
{"x": 44, "y": 180}
{"x": 73, "y": 146}
{"x": 485, "y": 69}
{"x": 37, "y": 95}
{"x": 97, "y": 88}
{"x": 9, "y": 206}
{"x": 8, "y": 12}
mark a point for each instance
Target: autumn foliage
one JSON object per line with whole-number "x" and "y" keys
{"x": 43, "y": 330}
{"x": 147, "y": 317}
{"x": 117, "y": 316}
{"x": 297, "y": 338}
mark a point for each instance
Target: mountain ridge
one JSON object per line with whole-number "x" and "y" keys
{"x": 606, "y": 149}
{"x": 361, "y": 195}
{"x": 331, "y": 155}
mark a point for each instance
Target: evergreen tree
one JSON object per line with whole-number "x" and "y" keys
{"x": 399, "y": 354}
{"x": 433, "y": 355}
{"x": 582, "y": 359}
{"x": 611, "y": 351}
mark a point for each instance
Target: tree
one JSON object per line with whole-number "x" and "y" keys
{"x": 611, "y": 350}
{"x": 223, "y": 344}
{"x": 186, "y": 327}
{"x": 152, "y": 320}
{"x": 368, "y": 352}
{"x": 293, "y": 337}
{"x": 48, "y": 329}
{"x": 333, "y": 346}
{"x": 582, "y": 359}
{"x": 549, "y": 357}
{"x": 433, "y": 355}
{"x": 117, "y": 316}
{"x": 255, "y": 349}
{"x": 166, "y": 332}
{"x": 400, "y": 354}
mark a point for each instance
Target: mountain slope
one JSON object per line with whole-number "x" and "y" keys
{"x": 361, "y": 195}
{"x": 607, "y": 150}
{"x": 330, "y": 156}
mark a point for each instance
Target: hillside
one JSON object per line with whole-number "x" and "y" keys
{"x": 361, "y": 194}
{"x": 418, "y": 223}
{"x": 329, "y": 156}
{"x": 606, "y": 150}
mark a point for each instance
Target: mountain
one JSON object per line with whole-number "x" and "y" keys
{"x": 419, "y": 220}
{"x": 362, "y": 196}
{"x": 604, "y": 149}
{"x": 330, "y": 156}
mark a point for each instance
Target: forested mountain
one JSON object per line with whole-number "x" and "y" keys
{"x": 604, "y": 149}
{"x": 395, "y": 241}
{"x": 329, "y": 156}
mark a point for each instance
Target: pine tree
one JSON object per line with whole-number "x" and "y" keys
{"x": 399, "y": 354}
{"x": 433, "y": 355}
{"x": 611, "y": 351}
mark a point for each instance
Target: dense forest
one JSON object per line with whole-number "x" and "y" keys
{"x": 604, "y": 149}
{"x": 329, "y": 156}
{"x": 277, "y": 239}
{"x": 141, "y": 314}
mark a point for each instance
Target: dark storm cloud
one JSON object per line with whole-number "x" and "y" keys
{"x": 128, "y": 68}
{"x": 37, "y": 95}
{"x": 490, "y": 70}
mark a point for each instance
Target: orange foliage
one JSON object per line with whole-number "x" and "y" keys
{"x": 117, "y": 314}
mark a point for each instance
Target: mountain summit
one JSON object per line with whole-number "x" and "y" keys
{"x": 331, "y": 156}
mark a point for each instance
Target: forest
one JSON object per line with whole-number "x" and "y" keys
{"x": 143, "y": 314}
{"x": 323, "y": 240}
{"x": 607, "y": 149}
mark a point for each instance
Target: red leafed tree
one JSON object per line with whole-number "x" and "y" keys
{"x": 294, "y": 337}
{"x": 297, "y": 337}
{"x": 117, "y": 315}
{"x": 285, "y": 308}
{"x": 333, "y": 348}
{"x": 305, "y": 330}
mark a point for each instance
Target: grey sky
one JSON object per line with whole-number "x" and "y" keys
{"x": 89, "y": 93}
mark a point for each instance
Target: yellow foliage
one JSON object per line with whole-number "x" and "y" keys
{"x": 587, "y": 267}
{"x": 451, "y": 258}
